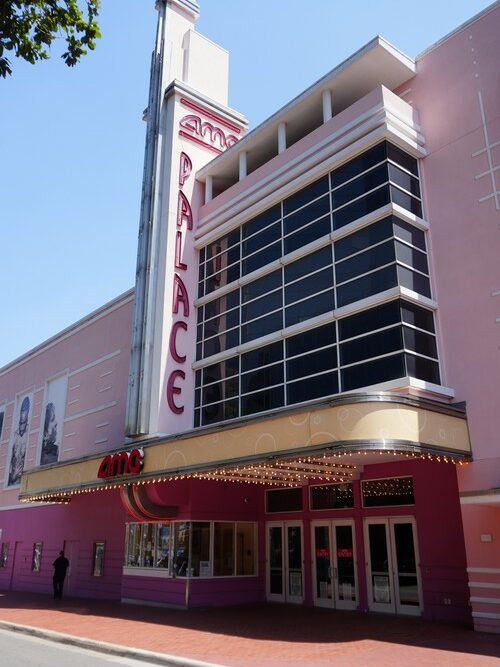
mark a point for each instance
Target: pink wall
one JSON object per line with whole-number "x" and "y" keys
{"x": 465, "y": 237}
{"x": 76, "y": 526}
{"x": 95, "y": 352}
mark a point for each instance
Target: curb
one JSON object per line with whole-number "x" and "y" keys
{"x": 104, "y": 647}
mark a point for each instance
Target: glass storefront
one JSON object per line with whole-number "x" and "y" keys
{"x": 193, "y": 548}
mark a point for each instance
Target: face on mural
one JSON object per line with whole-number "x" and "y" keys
{"x": 23, "y": 421}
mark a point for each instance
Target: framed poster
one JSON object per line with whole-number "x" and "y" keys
{"x": 51, "y": 426}
{"x": 19, "y": 438}
{"x": 36, "y": 560}
{"x": 98, "y": 560}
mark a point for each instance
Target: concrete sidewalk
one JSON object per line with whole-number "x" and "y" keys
{"x": 250, "y": 635}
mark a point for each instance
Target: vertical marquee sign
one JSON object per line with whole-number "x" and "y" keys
{"x": 188, "y": 124}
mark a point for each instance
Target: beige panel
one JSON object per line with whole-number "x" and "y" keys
{"x": 369, "y": 421}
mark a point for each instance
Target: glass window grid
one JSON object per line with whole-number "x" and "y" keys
{"x": 158, "y": 564}
{"x": 203, "y": 255}
{"x": 337, "y": 369}
{"x": 393, "y": 237}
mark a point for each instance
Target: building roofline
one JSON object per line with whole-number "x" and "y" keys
{"x": 459, "y": 28}
{"x": 325, "y": 82}
{"x": 70, "y": 330}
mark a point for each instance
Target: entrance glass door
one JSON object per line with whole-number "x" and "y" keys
{"x": 285, "y": 562}
{"x": 334, "y": 564}
{"x": 392, "y": 568}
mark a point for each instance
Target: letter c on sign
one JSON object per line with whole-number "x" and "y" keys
{"x": 172, "y": 390}
{"x": 172, "y": 343}
{"x": 135, "y": 461}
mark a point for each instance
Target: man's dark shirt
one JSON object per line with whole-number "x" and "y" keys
{"x": 61, "y": 564}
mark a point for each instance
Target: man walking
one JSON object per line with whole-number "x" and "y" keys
{"x": 60, "y": 565}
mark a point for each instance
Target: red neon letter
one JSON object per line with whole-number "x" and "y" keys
{"x": 178, "y": 250}
{"x": 172, "y": 390}
{"x": 184, "y": 212}
{"x": 172, "y": 343}
{"x": 135, "y": 461}
{"x": 104, "y": 468}
{"x": 180, "y": 296}
{"x": 185, "y": 167}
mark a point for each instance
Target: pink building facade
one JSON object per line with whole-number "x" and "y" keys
{"x": 292, "y": 405}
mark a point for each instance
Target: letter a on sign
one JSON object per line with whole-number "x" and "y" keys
{"x": 180, "y": 296}
{"x": 184, "y": 212}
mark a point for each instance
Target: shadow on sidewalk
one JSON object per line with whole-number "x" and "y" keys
{"x": 267, "y": 622}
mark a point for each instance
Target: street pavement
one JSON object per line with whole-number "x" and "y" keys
{"x": 19, "y": 650}
{"x": 263, "y": 635}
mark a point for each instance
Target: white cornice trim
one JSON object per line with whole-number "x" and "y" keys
{"x": 335, "y": 149}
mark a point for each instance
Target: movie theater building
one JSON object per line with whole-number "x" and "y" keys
{"x": 298, "y": 401}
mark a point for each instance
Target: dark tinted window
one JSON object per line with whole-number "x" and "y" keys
{"x": 284, "y": 500}
{"x": 404, "y": 180}
{"x": 361, "y": 207}
{"x": 308, "y": 234}
{"x": 420, "y": 342}
{"x": 261, "y": 327}
{"x": 307, "y": 214}
{"x": 373, "y": 372}
{"x": 258, "y": 241}
{"x": 307, "y": 286}
{"x": 261, "y": 286}
{"x": 261, "y": 221}
{"x": 331, "y": 496}
{"x": 259, "y": 307}
{"x": 262, "y": 400}
{"x": 365, "y": 261}
{"x": 411, "y": 256}
{"x": 261, "y": 357}
{"x": 217, "y": 412}
{"x": 403, "y": 159}
{"x": 419, "y": 317}
{"x": 219, "y": 371}
{"x": 310, "y": 340}
{"x": 368, "y": 181}
{"x": 309, "y": 364}
{"x": 406, "y": 201}
{"x": 225, "y": 321}
{"x": 262, "y": 377}
{"x": 224, "y": 341}
{"x": 423, "y": 369}
{"x": 218, "y": 306}
{"x": 369, "y": 320}
{"x": 357, "y": 165}
{"x": 309, "y": 263}
{"x": 366, "y": 286}
{"x": 374, "y": 345}
{"x": 364, "y": 238}
{"x": 414, "y": 281}
{"x": 388, "y": 492}
{"x": 408, "y": 233}
{"x": 305, "y": 195}
{"x": 220, "y": 391}
{"x": 314, "y": 387}
{"x": 304, "y": 310}
{"x": 266, "y": 256}
{"x": 222, "y": 244}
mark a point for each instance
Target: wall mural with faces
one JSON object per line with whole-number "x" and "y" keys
{"x": 51, "y": 426}
{"x": 19, "y": 438}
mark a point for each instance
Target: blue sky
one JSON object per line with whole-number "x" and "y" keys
{"x": 72, "y": 140}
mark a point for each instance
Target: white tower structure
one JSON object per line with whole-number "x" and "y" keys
{"x": 188, "y": 123}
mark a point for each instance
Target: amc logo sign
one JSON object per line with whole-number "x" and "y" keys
{"x": 121, "y": 463}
